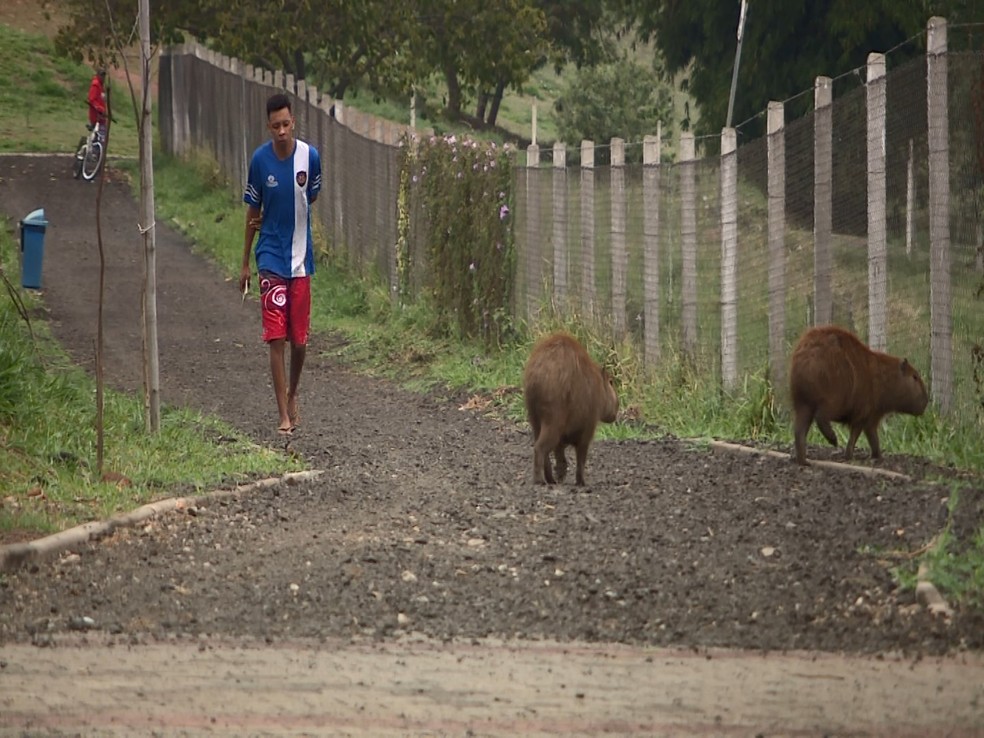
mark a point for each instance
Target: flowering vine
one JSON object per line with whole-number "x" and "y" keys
{"x": 464, "y": 191}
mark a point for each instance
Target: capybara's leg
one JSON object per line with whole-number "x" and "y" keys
{"x": 581, "y": 451}
{"x": 827, "y": 430}
{"x": 561, "y": 462}
{"x": 801, "y": 424}
{"x": 871, "y": 433}
{"x": 849, "y": 449}
{"x": 544, "y": 444}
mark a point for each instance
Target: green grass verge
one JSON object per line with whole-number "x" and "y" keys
{"x": 48, "y": 473}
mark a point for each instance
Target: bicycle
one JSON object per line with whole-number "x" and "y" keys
{"x": 90, "y": 153}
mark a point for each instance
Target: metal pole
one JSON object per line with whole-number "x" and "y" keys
{"x": 734, "y": 73}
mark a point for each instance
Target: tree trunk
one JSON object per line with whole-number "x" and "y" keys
{"x": 148, "y": 216}
{"x": 453, "y": 108}
{"x": 500, "y": 90}
{"x": 300, "y": 70}
{"x": 483, "y": 101}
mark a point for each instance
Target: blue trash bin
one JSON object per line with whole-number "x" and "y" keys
{"x": 32, "y": 248}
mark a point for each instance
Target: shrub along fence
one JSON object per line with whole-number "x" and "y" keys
{"x": 868, "y": 211}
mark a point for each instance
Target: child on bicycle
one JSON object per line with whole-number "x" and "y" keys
{"x": 97, "y": 101}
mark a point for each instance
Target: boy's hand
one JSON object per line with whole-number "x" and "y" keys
{"x": 244, "y": 282}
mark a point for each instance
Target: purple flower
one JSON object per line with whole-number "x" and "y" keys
{"x": 503, "y": 212}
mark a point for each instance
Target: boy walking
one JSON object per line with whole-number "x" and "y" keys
{"x": 284, "y": 179}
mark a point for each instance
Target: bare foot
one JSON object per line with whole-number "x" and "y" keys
{"x": 293, "y": 411}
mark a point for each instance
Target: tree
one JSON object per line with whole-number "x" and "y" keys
{"x": 516, "y": 30}
{"x": 479, "y": 46}
{"x": 101, "y": 36}
{"x": 98, "y": 30}
{"x": 581, "y": 32}
{"x": 620, "y": 98}
{"x": 787, "y": 44}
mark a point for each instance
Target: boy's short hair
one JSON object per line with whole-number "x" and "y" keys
{"x": 277, "y": 101}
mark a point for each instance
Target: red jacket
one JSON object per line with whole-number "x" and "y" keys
{"x": 97, "y": 100}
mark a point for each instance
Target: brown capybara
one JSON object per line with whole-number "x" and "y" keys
{"x": 566, "y": 393}
{"x": 834, "y": 377}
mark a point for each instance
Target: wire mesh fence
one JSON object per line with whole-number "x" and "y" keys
{"x": 867, "y": 212}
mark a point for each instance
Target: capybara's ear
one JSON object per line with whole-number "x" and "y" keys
{"x": 905, "y": 366}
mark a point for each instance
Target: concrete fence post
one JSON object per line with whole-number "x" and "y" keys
{"x": 560, "y": 258}
{"x": 534, "y": 283}
{"x": 650, "y": 237}
{"x": 729, "y": 257}
{"x": 940, "y": 289}
{"x": 620, "y": 258}
{"x": 777, "y": 242}
{"x": 688, "y": 243}
{"x": 877, "y": 226}
{"x": 589, "y": 297}
{"x": 823, "y": 189}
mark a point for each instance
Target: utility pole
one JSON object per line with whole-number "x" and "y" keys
{"x": 152, "y": 388}
{"x": 734, "y": 73}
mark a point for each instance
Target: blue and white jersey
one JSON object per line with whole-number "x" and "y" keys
{"x": 284, "y": 191}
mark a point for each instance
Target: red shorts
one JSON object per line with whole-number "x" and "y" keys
{"x": 286, "y": 305}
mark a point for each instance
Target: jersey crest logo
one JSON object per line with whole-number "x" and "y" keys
{"x": 271, "y": 181}
{"x": 301, "y": 179}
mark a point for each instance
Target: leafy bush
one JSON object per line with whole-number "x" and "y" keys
{"x": 620, "y": 98}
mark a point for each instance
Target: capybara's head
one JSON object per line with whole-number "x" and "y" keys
{"x": 609, "y": 406}
{"x": 911, "y": 396}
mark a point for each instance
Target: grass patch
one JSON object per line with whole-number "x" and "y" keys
{"x": 955, "y": 564}
{"x": 48, "y": 468}
{"x": 43, "y": 100}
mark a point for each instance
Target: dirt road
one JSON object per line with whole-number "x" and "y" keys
{"x": 421, "y": 688}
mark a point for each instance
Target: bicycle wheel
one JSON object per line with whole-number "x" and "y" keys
{"x": 80, "y": 151}
{"x": 93, "y": 160}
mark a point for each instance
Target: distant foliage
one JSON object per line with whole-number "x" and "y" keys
{"x": 464, "y": 188}
{"x": 619, "y": 98}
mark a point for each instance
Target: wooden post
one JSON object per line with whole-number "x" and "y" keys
{"x": 152, "y": 390}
